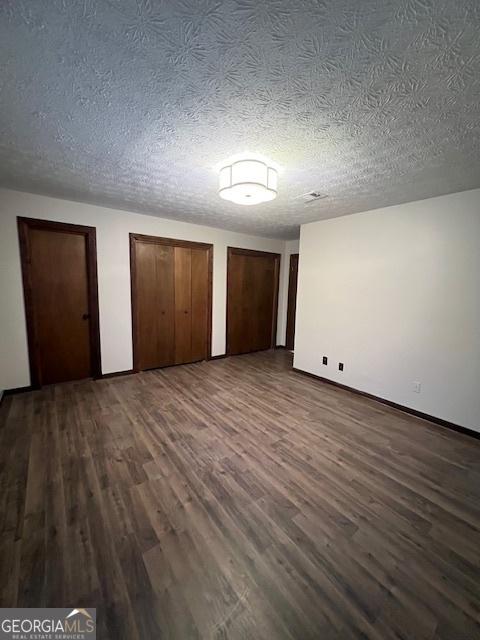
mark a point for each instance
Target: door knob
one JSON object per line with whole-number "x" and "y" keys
{"x": 86, "y": 316}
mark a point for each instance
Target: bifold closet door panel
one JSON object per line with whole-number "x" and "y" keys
{"x": 183, "y": 305}
{"x": 155, "y": 305}
{"x": 200, "y": 284}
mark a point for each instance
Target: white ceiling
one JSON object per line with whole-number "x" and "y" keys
{"x": 130, "y": 103}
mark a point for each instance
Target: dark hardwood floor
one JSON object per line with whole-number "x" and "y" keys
{"x": 238, "y": 499}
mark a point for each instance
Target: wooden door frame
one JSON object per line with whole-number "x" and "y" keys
{"x": 170, "y": 242}
{"x": 24, "y": 226}
{"x": 292, "y": 255}
{"x": 252, "y": 253}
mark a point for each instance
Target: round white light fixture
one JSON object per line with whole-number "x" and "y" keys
{"x": 248, "y": 181}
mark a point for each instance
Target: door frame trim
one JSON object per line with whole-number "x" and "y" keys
{"x": 277, "y": 259}
{"x": 171, "y": 242}
{"x": 24, "y": 225}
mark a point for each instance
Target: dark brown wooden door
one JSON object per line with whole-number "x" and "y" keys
{"x": 155, "y": 305}
{"x": 171, "y": 301}
{"x": 59, "y": 304}
{"x": 200, "y": 304}
{"x": 252, "y": 296}
{"x": 292, "y": 301}
{"x": 183, "y": 305}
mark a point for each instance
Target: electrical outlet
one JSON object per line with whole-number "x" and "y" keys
{"x": 416, "y": 387}
{"x": 340, "y": 366}
{"x": 324, "y": 360}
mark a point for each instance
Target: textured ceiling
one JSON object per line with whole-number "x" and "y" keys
{"x": 130, "y": 103}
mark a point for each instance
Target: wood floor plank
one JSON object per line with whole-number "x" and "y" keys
{"x": 236, "y": 499}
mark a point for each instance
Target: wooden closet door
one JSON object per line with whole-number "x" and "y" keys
{"x": 200, "y": 308}
{"x": 252, "y": 293}
{"x": 171, "y": 301}
{"x": 183, "y": 305}
{"x": 155, "y": 305}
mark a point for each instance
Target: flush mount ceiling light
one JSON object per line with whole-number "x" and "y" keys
{"x": 248, "y": 180}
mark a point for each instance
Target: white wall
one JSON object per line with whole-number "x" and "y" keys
{"x": 113, "y": 259}
{"x": 395, "y": 295}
